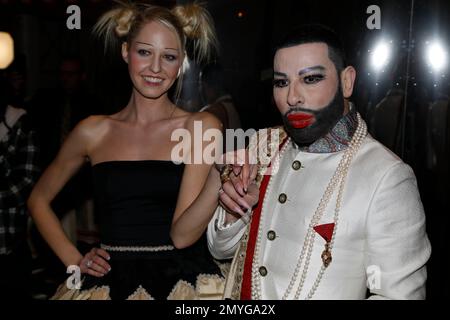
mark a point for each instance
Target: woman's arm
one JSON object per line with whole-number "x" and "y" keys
{"x": 73, "y": 154}
{"x": 199, "y": 191}
{"x": 199, "y": 188}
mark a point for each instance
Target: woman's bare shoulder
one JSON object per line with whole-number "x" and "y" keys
{"x": 207, "y": 119}
{"x": 92, "y": 127}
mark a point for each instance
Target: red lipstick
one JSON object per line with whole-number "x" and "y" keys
{"x": 300, "y": 120}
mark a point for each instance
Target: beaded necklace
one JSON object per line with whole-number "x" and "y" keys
{"x": 337, "y": 180}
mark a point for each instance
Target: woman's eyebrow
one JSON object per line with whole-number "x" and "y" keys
{"x": 148, "y": 44}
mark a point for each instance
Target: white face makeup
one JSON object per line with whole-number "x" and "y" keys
{"x": 307, "y": 92}
{"x": 304, "y": 76}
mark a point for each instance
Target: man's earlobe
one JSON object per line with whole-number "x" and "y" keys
{"x": 348, "y": 76}
{"x": 125, "y": 51}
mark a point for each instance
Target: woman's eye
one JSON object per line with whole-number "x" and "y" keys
{"x": 313, "y": 78}
{"x": 280, "y": 83}
{"x": 143, "y": 52}
{"x": 170, "y": 57}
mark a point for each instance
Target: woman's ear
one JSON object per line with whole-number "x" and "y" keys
{"x": 125, "y": 51}
{"x": 348, "y": 76}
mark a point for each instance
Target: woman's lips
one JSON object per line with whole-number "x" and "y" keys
{"x": 300, "y": 120}
{"x": 152, "y": 81}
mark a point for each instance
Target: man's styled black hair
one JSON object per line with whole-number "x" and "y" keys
{"x": 311, "y": 33}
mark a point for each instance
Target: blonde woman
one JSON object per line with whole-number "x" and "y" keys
{"x": 142, "y": 195}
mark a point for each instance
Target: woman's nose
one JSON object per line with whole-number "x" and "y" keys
{"x": 155, "y": 64}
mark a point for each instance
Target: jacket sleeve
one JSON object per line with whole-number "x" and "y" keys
{"x": 223, "y": 240}
{"x": 397, "y": 244}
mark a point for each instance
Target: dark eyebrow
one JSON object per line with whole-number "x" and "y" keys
{"x": 280, "y": 74}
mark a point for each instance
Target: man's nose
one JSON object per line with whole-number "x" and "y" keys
{"x": 295, "y": 96}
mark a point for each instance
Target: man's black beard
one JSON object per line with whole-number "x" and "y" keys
{"x": 326, "y": 118}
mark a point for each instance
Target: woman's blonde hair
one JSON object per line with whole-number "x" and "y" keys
{"x": 191, "y": 21}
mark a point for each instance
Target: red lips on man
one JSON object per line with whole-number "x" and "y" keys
{"x": 300, "y": 120}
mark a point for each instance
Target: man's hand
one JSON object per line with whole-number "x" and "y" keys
{"x": 239, "y": 192}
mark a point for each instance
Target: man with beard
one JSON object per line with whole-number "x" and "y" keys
{"x": 341, "y": 218}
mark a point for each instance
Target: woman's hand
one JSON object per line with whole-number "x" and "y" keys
{"x": 95, "y": 263}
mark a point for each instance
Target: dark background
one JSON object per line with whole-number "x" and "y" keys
{"x": 247, "y": 30}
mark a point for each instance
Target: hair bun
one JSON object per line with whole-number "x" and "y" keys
{"x": 124, "y": 19}
{"x": 114, "y": 25}
{"x": 190, "y": 16}
{"x": 198, "y": 26}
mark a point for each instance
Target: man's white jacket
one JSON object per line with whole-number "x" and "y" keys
{"x": 380, "y": 246}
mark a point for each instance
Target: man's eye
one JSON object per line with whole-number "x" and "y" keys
{"x": 280, "y": 83}
{"x": 313, "y": 78}
{"x": 143, "y": 52}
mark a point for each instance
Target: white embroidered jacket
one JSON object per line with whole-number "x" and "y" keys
{"x": 380, "y": 243}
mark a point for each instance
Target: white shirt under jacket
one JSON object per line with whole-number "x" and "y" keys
{"x": 380, "y": 232}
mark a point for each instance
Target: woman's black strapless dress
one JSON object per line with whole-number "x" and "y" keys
{"x": 135, "y": 201}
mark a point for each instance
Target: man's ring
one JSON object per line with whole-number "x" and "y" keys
{"x": 89, "y": 263}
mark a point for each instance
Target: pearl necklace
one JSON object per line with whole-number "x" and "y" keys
{"x": 338, "y": 179}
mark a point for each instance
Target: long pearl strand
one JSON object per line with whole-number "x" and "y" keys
{"x": 338, "y": 178}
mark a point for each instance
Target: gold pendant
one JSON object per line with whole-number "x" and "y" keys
{"x": 326, "y": 256}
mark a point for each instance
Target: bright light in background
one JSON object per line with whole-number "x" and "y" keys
{"x": 6, "y": 50}
{"x": 380, "y": 56}
{"x": 436, "y": 56}
{"x": 240, "y": 14}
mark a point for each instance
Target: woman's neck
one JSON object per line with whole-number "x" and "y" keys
{"x": 143, "y": 110}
